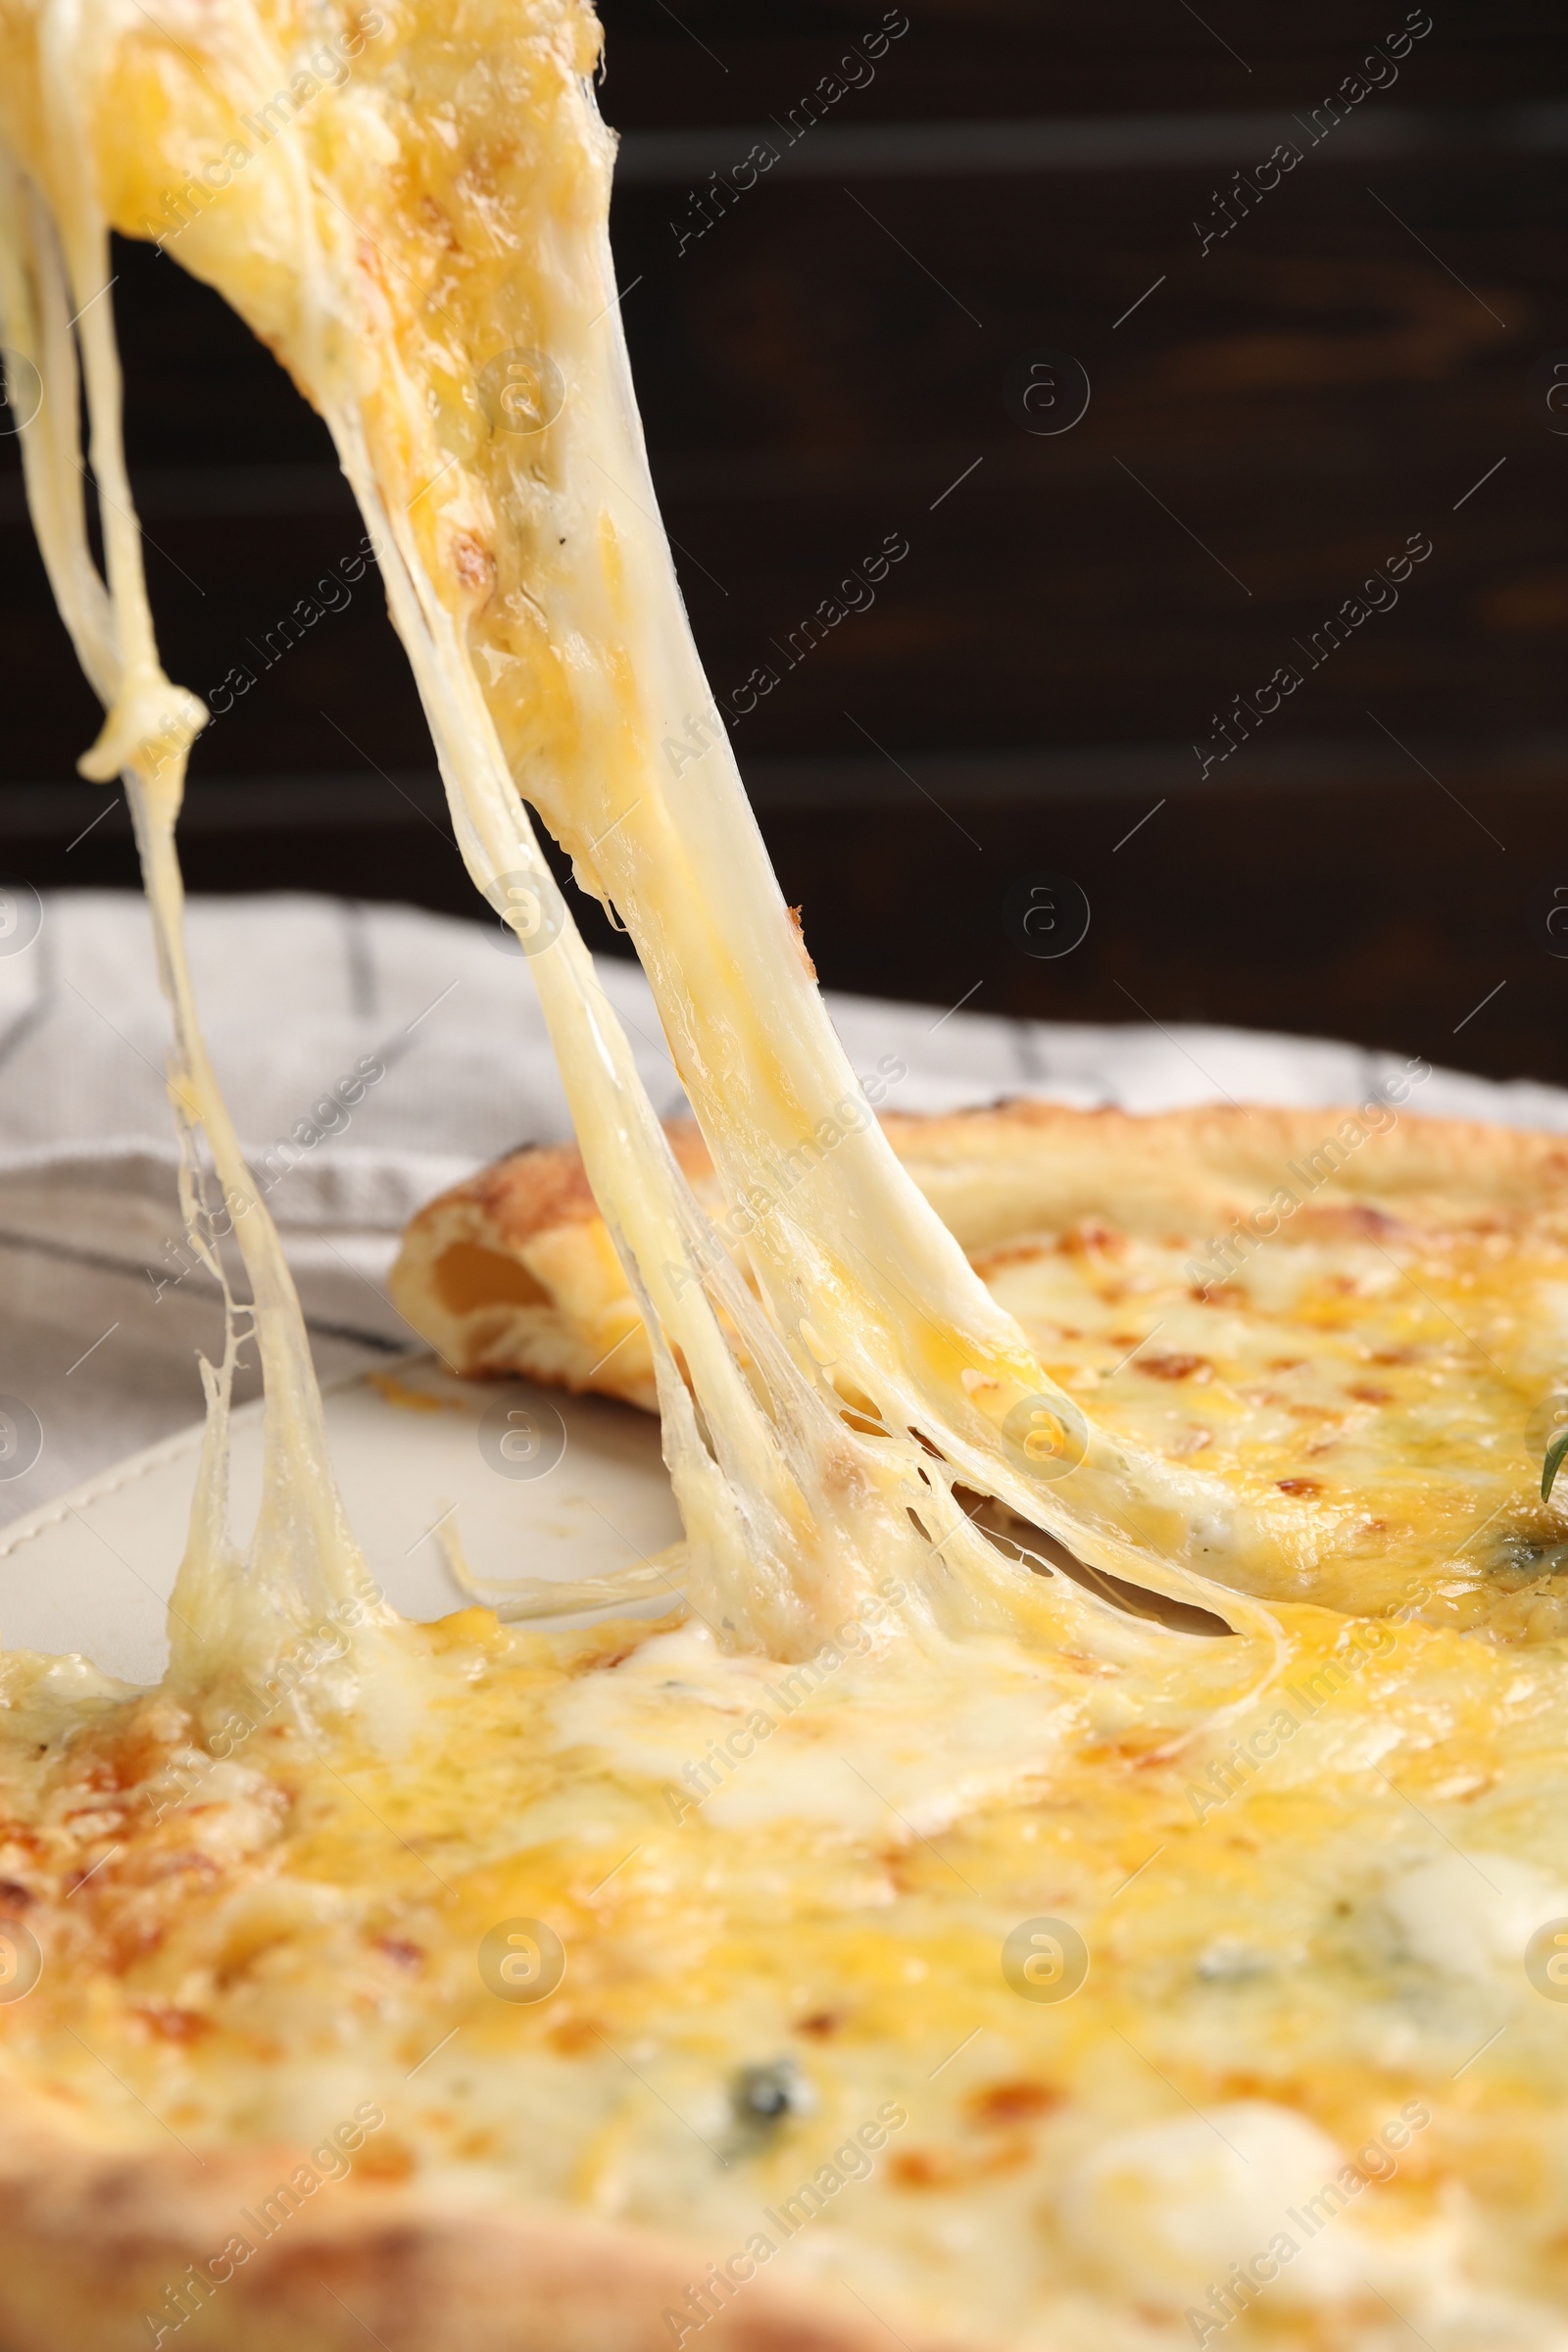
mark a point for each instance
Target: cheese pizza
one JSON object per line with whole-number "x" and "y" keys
{"x": 1076, "y": 1862}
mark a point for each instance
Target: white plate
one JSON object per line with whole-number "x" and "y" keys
{"x": 566, "y": 1487}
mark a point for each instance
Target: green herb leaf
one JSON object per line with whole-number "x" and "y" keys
{"x": 1552, "y": 1463}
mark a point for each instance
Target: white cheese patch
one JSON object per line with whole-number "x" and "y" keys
{"x": 860, "y": 1746}
{"x": 1172, "y": 2210}
{"x": 1472, "y": 1915}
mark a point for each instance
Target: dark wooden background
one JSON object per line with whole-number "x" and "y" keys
{"x": 1270, "y": 422}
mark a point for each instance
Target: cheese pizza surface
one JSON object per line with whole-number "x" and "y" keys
{"x": 1111, "y": 2015}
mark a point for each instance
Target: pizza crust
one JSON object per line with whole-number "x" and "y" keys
{"x": 513, "y": 1272}
{"x": 92, "y": 2241}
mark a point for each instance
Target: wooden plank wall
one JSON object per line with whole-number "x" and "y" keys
{"x": 1048, "y": 682}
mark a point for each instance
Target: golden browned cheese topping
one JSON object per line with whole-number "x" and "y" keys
{"x": 1037, "y": 2027}
{"x": 1389, "y": 1379}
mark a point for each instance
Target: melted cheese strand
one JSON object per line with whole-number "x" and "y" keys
{"x": 791, "y": 1516}
{"x": 302, "y": 1558}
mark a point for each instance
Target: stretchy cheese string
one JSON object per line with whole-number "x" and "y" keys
{"x": 304, "y": 1559}
{"x": 536, "y": 564}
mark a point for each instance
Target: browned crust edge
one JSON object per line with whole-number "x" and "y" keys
{"x": 542, "y": 1186}
{"x": 992, "y": 1174}
{"x": 91, "y": 2242}
{"x": 545, "y": 1186}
